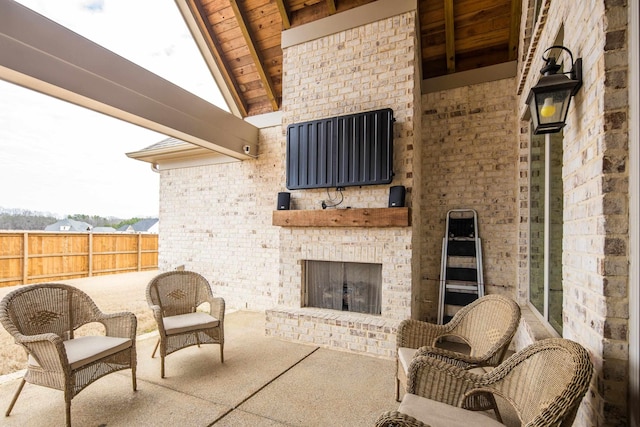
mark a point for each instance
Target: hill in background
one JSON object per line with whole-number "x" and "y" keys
{"x": 21, "y": 219}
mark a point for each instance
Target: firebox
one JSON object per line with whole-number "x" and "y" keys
{"x": 344, "y": 286}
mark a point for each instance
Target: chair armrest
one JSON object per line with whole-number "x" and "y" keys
{"x": 415, "y": 334}
{"x": 216, "y": 308}
{"x": 452, "y": 357}
{"x": 438, "y": 380}
{"x": 122, "y": 325}
{"x": 47, "y": 350}
{"x": 157, "y": 315}
{"x": 398, "y": 419}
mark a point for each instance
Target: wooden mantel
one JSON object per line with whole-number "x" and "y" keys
{"x": 368, "y": 217}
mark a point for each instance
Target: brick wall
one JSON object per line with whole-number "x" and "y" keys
{"x": 365, "y": 68}
{"x": 362, "y": 69}
{"x": 595, "y": 175}
{"x": 469, "y": 161}
{"x": 216, "y": 220}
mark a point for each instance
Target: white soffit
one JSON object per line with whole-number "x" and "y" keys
{"x": 42, "y": 55}
{"x": 266, "y": 120}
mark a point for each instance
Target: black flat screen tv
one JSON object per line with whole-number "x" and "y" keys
{"x": 343, "y": 151}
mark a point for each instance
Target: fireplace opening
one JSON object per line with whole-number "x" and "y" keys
{"x": 344, "y": 286}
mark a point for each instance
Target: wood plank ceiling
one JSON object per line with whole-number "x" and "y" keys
{"x": 244, "y": 38}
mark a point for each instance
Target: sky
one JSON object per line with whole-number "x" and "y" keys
{"x": 59, "y": 158}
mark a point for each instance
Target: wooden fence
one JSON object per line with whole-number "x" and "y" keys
{"x": 33, "y": 257}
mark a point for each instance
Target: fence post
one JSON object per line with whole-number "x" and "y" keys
{"x": 90, "y": 254}
{"x": 25, "y": 258}
{"x": 139, "y": 251}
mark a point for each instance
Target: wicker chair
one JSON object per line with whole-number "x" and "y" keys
{"x": 487, "y": 326}
{"x": 42, "y": 319}
{"x": 541, "y": 385}
{"x": 174, "y": 298}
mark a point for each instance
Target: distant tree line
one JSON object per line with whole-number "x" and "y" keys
{"x": 21, "y": 219}
{"x": 99, "y": 221}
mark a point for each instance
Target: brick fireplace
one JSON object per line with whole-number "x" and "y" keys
{"x": 388, "y": 247}
{"x": 368, "y": 67}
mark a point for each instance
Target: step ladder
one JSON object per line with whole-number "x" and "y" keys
{"x": 461, "y": 280}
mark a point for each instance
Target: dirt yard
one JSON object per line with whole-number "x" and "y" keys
{"x": 113, "y": 293}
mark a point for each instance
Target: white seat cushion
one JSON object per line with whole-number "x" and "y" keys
{"x": 84, "y": 350}
{"x": 438, "y": 414}
{"x": 189, "y": 322}
{"x": 404, "y": 357}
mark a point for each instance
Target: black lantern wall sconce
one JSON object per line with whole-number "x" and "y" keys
{"x": 549, "y": 99}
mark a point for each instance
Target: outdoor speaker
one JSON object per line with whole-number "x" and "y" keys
{"x": 284, "y": 199}
{"x": 396, "y": 196}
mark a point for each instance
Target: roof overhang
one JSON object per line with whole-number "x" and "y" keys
{"x": 42, "y": 55}
{"x": 178, "y": 154}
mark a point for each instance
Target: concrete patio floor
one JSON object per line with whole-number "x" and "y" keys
{"x": 263, "y": 382}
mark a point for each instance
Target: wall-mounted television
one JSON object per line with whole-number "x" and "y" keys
{"x": 343, "y": 151}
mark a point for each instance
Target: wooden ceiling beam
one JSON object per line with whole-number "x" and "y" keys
{"x": 200, "y": 14}
{"x": 257, "y": 57}
{"x": 514, "y": 29}
{"x": 284, "y": 13}
{"x": 331, "y": 5}
{"x": 450, "y": 36}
